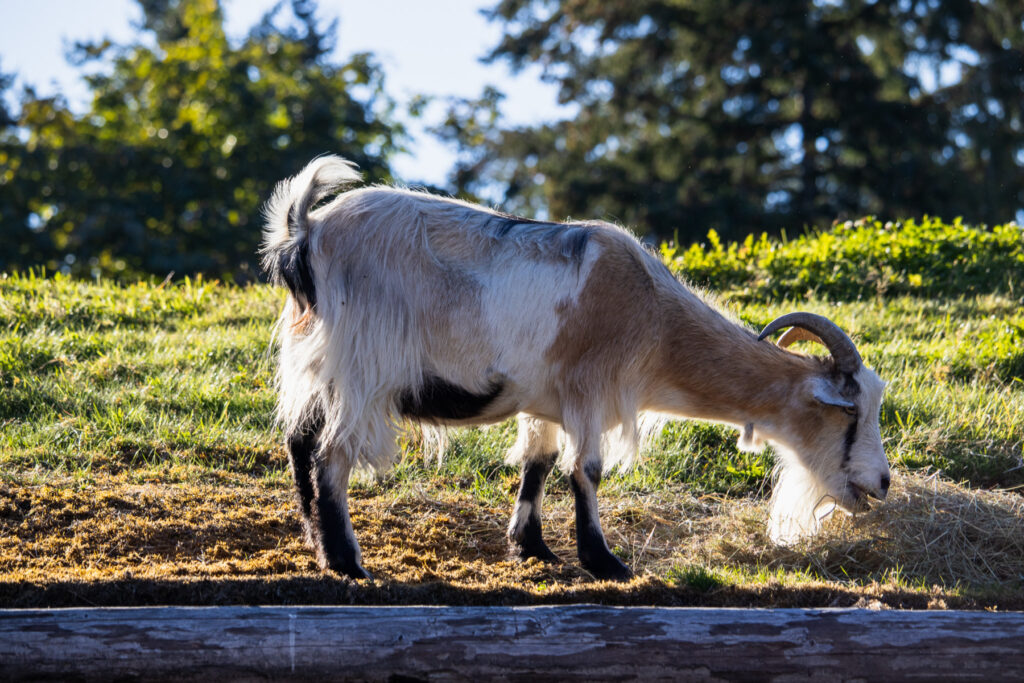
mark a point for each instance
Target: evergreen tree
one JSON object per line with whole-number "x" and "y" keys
{"x": 755, "y": 115}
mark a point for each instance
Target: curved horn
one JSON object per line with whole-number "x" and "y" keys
{"x": 795, "y": 334}
{"x": 829, "y": 334}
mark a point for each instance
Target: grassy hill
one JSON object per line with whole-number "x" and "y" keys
{"x": 139, "y": 463}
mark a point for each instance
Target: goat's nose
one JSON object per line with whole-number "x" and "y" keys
{"x": 884, "y": 486}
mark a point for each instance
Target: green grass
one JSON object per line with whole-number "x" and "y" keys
{"x": 141, "y": 377}
{"x": 177, "y": 377}
{"x": 172, "y": 382}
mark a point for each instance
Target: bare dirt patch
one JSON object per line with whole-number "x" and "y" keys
{"x": 116, "y": 543}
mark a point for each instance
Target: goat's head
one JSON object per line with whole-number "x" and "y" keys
{"x": 830, "y": 444}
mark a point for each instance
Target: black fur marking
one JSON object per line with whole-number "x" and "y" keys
{"x": 438, "y": 400}
{"x": 574, "y": 242}
{"x": 535, "y": 473}
{"x": 506, "y": 222}
{"x": 293, "y": 270}
{"x": 572, "y": 239}
{"x": 590, "y": 544}
{"x": 336, "y": 549}
{"x": 593, "y": 472}
{"x": 851, "y": 390}
{"x": 528, "y": 540}
{"x": 324, "y": 520}
{"x": 850, "y": 439}
{"x": 302, "y": 446}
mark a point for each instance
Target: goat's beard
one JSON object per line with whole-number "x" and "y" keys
{"x": 800, "y": 503}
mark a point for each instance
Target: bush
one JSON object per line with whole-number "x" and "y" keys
{"x": 863, "y": 258}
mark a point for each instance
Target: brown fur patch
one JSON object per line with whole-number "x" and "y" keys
{"x": 302, "y": 318}
{"x": 632, "y": 329}
{"x": 722, "y": 368}
{"x": 608, "y": 328}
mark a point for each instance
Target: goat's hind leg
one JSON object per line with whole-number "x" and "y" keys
{"x": 321, "y": 479}
{"x": 302, "y": 446}
{"x": 338, "y": 549}
{"x": 536, "y": 449}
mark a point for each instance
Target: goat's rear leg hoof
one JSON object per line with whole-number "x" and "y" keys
{"x": 606, "y": 567}
{"x": 353, "y": 570}
{"x": 532, "y": 548}
{"x": 342, "y": 561}
{"x": 358, "y": 573}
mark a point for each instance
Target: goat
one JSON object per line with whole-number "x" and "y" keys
{"x": 405, "y": 306}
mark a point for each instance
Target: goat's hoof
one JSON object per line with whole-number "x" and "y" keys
{"x": 538, "y": 549}
{"x": 358, "y": 573}
{"x": 352, "y": 570}
{"x": 607, "y": 568}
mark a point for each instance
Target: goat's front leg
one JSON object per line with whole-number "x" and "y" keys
{"x": 536, "y": 449}
{"x": 593, "y": 551}
{"x": 322, "y": 485}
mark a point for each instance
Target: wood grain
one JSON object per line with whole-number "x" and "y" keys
{"x": 581, "y": 642}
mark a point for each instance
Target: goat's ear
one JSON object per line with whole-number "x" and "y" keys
{"x": 825, "y": 392}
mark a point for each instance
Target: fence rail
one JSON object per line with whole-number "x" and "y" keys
{"x": 582, "y": 642}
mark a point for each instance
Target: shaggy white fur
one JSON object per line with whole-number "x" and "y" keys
{"x": 577, "y": 326}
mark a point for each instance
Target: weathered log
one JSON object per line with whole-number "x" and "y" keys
{"x": 582, "y": 642}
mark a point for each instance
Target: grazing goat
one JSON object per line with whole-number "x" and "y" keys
{"x": 408, "y": 306}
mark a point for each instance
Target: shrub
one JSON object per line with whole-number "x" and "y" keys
{"x": 863, "y": 258}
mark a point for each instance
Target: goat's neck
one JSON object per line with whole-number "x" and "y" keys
{"x": 714, "y": 369}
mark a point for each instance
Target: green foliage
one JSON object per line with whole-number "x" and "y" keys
{"x": 185, "y": 137}
{"x": 174, "y": 379}
{"x": 864, "y": 258}
{"x": 752, "y": 115}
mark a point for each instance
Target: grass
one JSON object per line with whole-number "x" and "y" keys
{"x": 139, "y": 465}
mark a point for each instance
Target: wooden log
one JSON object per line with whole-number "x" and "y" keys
{"x": 578, "y": 642}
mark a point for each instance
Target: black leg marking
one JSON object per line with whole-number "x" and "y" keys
{"x": 324, "y": 514}
{"x": 302, "y": 445}
{"x": 525, "y": 537}
{"x": 337, "y": 549}
{"x": 590, "y": 544}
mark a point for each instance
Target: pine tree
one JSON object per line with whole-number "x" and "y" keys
{"x": 751, "y": 115}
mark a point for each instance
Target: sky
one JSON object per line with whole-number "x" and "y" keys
{"x": 425, "y": 47}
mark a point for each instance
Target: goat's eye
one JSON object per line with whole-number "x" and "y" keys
{"x": 852, "y": 410}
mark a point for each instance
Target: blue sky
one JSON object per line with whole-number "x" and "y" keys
{"x": 428, "y": 47}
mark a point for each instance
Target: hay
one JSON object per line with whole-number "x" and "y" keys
{"x": 933, "y": 543}
{"x": 938, "y": 531}
{"x": 929, "y": 531}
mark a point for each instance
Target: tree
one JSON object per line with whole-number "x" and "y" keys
{"x": 753, "y": 115}
{"x": 185, "y": 137}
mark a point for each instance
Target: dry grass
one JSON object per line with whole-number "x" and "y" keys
{"x": 139, "y": 465}
{"x": 117, "y": 542}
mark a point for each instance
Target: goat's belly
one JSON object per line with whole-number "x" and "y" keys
{"x": 440, "y": 401}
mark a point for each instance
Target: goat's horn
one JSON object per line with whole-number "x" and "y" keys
{"x": 820, "y": 329}
{"x": 795, "y": 334}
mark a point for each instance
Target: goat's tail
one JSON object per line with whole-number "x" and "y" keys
{"x": 285, "y": 247}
